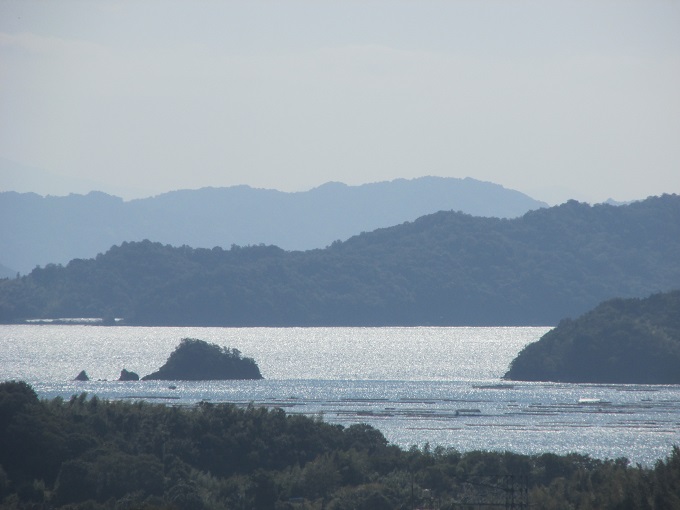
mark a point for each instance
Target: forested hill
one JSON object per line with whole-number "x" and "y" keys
{"x": 443, "y": 269}
{"x": 635, "y": 341}
{"x": 38, "y": 230}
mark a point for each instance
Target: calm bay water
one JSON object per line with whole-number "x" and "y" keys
{"x": 417, "y": 385}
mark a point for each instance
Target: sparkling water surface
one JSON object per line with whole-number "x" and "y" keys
{"x": 440, "y": 386}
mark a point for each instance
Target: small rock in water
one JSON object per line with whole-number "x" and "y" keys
{"x": 126, "y": 375}
{"x": 82, "y": 376}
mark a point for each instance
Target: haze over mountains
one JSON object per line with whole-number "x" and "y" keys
{"x": 447, "y": 268}
{"x": 37, "y": 230}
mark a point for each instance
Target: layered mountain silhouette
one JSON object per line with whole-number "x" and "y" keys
{"x": 37, "y": 230}
{"x": 446, "y": 268}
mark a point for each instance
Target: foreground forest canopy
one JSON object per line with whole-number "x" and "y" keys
{"x": 86, "y": 453}
{"x": 443, "y": 269}
{"x": 620, "y": 341}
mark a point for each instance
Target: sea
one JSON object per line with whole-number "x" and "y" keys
{"x": 421, "y": 386}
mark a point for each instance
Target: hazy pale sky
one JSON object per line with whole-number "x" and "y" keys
{"x": 558, "y": 99}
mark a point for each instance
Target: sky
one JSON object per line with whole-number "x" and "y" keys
{"x": 557, "y": 99}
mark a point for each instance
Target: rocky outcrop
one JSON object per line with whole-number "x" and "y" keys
{"x": 197, "y": 360}
{"x": 126, "y": 375}
{"x": 82, "y": 376}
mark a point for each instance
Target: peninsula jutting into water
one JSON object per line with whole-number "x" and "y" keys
{"x": 625, "y": 341}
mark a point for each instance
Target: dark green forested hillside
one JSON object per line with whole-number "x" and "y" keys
{"x": 90, "y": 454}
{"x": 620, "y": 341}
{"x": 443, "y": 269}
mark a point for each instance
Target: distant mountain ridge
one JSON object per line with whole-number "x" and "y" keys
{"x": 37, "y": 230}
{"x": 447, "y": 268}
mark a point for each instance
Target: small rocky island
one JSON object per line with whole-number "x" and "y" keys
{"x": 197, "y": 360}
{"x": 126, "y": 375}
{"x": 621, "y": 341}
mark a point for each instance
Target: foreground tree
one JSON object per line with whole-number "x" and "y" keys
{"x": 85, "y": 453}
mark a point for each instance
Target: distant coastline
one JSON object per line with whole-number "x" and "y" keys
{"x": 70, "y": 321}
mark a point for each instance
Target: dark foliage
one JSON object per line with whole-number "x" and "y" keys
{"x": 444, "y": 269}
{"x": 91, "y": 454}
{"x": 620, "y": 341}
{"x": 196, "y": 360}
